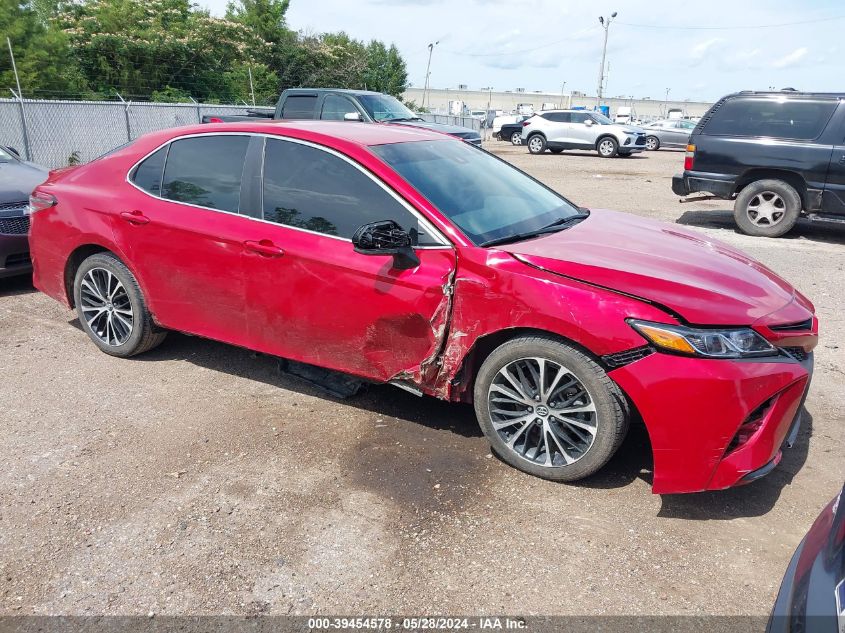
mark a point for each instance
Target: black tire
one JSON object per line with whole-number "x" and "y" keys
{"x": 498, "y": 136}
{"x": 143, "y": 334}
{"x": 536, "y": 144}
{"x": 652, "y": 143}
{"x": 607, "y": 142}
{"x": 557, "y": 150}
{"x": 611, "y": 407}
{"x": 782, "y": 204}
{"x": 516, "y": 138}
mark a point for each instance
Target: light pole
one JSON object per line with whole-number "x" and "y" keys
{"x": 428, "y": 69}
{"x": 562, "y": 87}
{"x": 605, "y": 22}
{"x": 666, "y": 105}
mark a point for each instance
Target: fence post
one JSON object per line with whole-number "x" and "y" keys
{"x": 19, "y": 97}
{"x": 126, "y": 106}
{"x": 199, "y": 114}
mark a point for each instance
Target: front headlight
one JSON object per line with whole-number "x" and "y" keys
{"x": 709, "y": 343}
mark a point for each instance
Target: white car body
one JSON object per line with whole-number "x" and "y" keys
{"x": 581, "y": 129}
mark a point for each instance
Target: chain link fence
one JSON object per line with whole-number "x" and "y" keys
{"x": 58, "y": 133}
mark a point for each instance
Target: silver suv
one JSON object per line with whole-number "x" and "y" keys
{"x": 558, "y": 130}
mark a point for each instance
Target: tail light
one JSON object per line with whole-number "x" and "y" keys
{"x": 38, "y": 201}
{"x": 215, "y": 119}
{"x": 689, "y": 158}
{"x": 526, "y": 123}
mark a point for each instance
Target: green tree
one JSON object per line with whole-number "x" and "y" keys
{"x": 42, "y": 55}
{"x": 385, "y": 70}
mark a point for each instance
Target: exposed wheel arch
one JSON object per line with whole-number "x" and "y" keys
{"x": 79, "y": 255}
{"x": 796, "y": 181}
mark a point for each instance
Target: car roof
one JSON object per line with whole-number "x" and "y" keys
{"x": 346, "y": 91}
{"x": 788, "y": 93}
{"x": 323, "y": 132}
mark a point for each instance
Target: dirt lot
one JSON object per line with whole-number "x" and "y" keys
{"x": 198, "y": 479}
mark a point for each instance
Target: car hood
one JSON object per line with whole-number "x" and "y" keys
{"x": 454, "y": 130}
{"x": 17, "y": 180}
{"x": 705, "y": 281}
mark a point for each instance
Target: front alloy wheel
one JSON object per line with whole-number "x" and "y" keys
{"x": 516, "y": 138}
{"x": 651, "y": 143}
{"x": 542, "y": 412}
{"x": 549, "y": 409}
{"x": 608, "y": 147}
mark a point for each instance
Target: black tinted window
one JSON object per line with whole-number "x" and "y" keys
{"x": 334, "y": 108}
{"x": 772, "y": 117}
{"x": 557, "y": 117}
{"x": 299, "y": 107}
{"x": 148, "y": 174}
{"x": 309, "y": 188}
{"x": 206, "y": 170}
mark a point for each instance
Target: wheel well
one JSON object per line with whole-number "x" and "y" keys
{"x": 484, "y": 346}
{"x": 536, "y": 133}
{"x": 604, "y": 136}
{"x": 791, "y": 178}
{"x": 75, "y": 261}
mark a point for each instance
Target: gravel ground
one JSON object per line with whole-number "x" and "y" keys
{"x": 198, "y": 479}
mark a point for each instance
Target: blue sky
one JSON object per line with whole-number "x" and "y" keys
{"x": 539, "y": 44}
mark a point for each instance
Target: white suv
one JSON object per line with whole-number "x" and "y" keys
{"x": 558, "y": 130}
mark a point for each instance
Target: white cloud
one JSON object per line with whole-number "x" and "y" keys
{"x": 699, "y": 50}
{"x": 790, "y": 60}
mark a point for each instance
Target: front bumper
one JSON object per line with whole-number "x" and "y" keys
{"x": 693, "y": 408}
{"x": 14, "y": 255}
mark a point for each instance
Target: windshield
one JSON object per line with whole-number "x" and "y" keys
{"x": 385, "y": 108}
{"x": 484, "y": 196}
{"x": 601, "y": 119}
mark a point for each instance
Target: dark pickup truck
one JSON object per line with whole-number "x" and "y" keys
{"x": 778, "y": 154}
{"x": 346, "y": 105}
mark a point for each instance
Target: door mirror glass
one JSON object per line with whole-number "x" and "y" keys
{"x": 352, "y": 116}
{"x": 386, "y": 237}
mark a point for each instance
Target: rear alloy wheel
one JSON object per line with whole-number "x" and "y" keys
{"x": 652, "y": 143}
{"x": 111, "y": 309}
{"x": 548, "y": 409}
{"x": 607, "y": 147}
{"x": 516, "y": 138}
{"x": 536, "y": 144}
{"x": 767, "y": 208}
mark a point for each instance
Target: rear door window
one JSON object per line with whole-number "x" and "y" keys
{"x": 557, "y": 117}
{"x": 206, "y": 171}
{"x": 800, "y": 119}
{"x": 299, "y": 107}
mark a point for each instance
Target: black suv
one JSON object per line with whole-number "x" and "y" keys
{"x": 779, "y": 154}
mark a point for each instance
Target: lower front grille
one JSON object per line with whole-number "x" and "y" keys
{"x": 797, "y": 353}
{"x": 18, "y": 259}
{"x": 15, "y": 226}
{"x": 640, "y": 140}
{"x": 620, "y": 359}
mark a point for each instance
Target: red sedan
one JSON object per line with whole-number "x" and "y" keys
{"x": 409, "y": 257}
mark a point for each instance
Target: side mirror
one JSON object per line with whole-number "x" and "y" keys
{"x": 387, "y": 238}
{"x": 589, "y": 122}
{"x": 352, "y": 116}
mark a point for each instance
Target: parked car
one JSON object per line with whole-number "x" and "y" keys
{"x": 331, "y": 104}
{"x": 512, "y": 132}
{"x": 777, "y": 154}
{"x": 812, "y": 594}
{"x": 668, "y": 133}
{"x": 404, "y": 256}
{"x": 558, "y": 130}
{"x": 17, "y": 179}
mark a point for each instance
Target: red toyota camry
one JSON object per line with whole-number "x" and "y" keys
{"x": 404, "y": 256}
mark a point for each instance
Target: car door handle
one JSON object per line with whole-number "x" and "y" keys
{"x": 135, "y": 217}
{"x": 264, "y": 247}
{"x": 842, "y": 159}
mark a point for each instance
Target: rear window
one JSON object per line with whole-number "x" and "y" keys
{"x": 800, "y": 119}
{"x": 299, "y": 107}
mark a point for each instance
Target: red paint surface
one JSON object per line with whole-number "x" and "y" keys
{"x": 322, "y": 303}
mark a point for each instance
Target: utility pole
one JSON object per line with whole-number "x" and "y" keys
{"x": 428, "y": 69}
{"x": 27, "y": 152}
{"x": 562, "y": 87}
{"x": 666, "y": 105}
{"x": 605, "y": 22}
